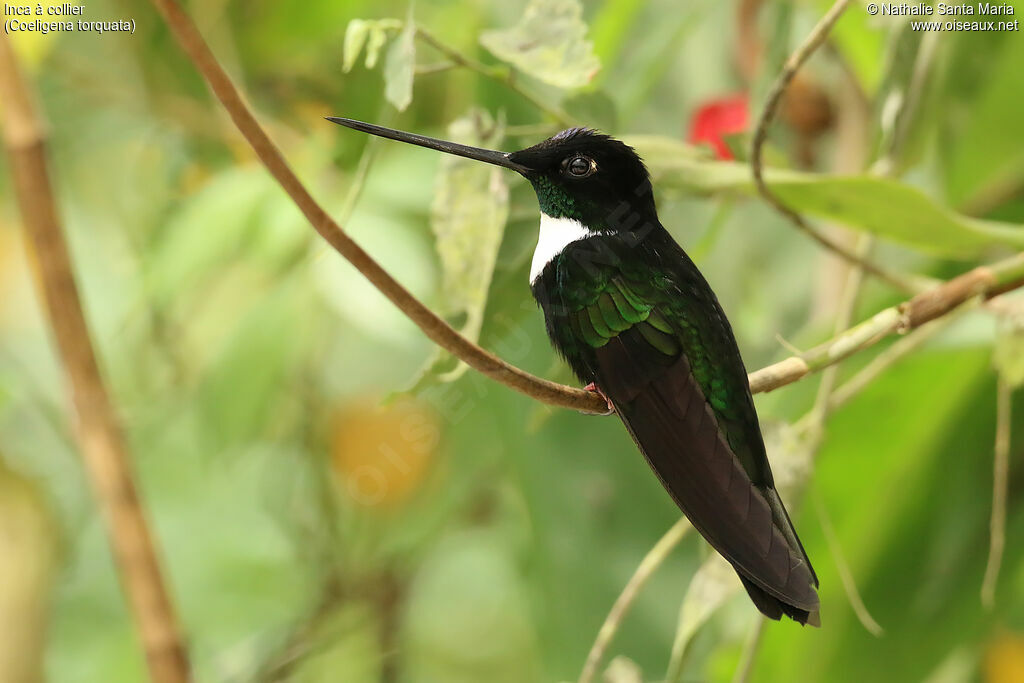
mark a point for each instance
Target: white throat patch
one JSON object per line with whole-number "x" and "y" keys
{"x": 555, "y": 235}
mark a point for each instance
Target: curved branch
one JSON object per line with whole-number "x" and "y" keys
{"x": 100, "y": 439}
{"x": 796, "y": 60}
{"x": 985, "y": 281}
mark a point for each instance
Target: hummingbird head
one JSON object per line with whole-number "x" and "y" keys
{"x": 590, "y": 177}
{"x": 578, "y": 174}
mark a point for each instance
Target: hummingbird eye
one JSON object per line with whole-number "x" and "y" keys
{"x": 579, "y": 166}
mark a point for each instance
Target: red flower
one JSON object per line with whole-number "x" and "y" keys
{"x": 717, "y": 118}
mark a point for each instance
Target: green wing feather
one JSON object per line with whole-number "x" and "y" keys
{"x": 611, "y": 301}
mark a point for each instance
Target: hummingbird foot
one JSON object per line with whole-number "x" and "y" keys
{"x": 597, "y": 390}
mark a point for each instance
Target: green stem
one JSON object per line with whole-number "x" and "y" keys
{"x": 845, "y": 573}
{"x": 1000, "y": 476}
{"x": 500, "y": 74}
{"x": 654, "y": 559}
{"x": 750, "y": 651}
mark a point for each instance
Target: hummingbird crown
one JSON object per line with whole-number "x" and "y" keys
{"x": 584, "y": 175}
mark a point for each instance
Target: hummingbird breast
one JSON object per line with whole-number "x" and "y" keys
{"x": 555, "y": 235}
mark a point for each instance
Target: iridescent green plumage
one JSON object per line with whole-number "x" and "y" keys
{"x": 614, "y": 292}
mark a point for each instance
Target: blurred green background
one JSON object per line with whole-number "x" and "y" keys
{"x": 320, "y": 521}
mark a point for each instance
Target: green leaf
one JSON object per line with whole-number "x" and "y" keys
{"x": 369, "y": 33}
{"x": 344, "y": 647}
{"x": 623, "y": 670}
{"x": 377, "y": 39}
{"x": 400, "y": 67}
{"x": 1008, "y": 355}
{"x": 355, "y": 38}
{"x": 549, "y": 43}
{"x": 468, "y": 220}
{"x": 253, "y": 223}
{"x": 910, "y": 510}
{"x": 881, "y": 206}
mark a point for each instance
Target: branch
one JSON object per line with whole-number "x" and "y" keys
{"x": 774, "y": 98}
{"x": 100, "y": 439}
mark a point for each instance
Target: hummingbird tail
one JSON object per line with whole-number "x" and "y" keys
{"x": 773, "y": 608}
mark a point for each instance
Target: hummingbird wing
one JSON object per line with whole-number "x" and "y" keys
{"x": 657, "y": 343}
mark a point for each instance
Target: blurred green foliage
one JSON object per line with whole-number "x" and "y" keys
{"x": 313, "y": 531}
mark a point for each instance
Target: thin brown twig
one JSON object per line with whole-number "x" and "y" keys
{"x": 814, "y": 39}
{"x": 100, "y": 438}
{"x": 652, "y": 560}
{"x": 1000, "y": 477}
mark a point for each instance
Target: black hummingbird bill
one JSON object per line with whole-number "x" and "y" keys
{"x": 633, "y": 316}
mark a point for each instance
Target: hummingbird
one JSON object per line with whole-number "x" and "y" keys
{"x": 636, "y": 321}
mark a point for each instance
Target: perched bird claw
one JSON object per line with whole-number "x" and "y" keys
{"x": 595, "y": 389}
